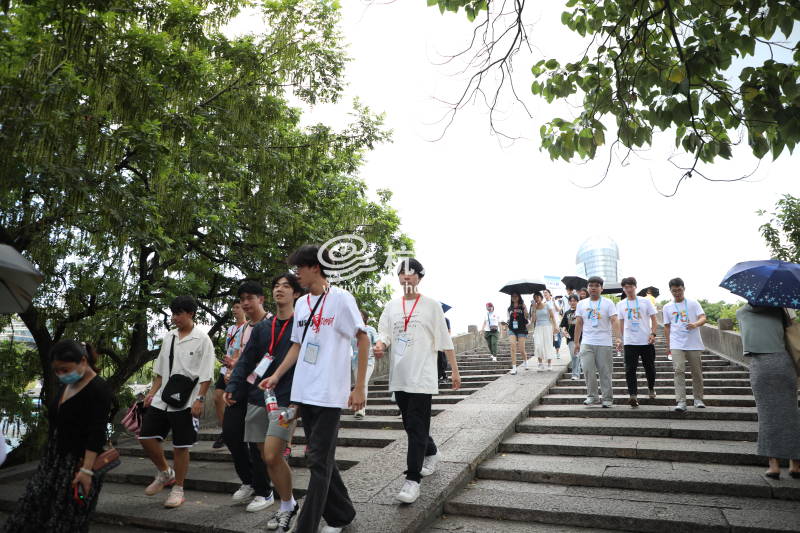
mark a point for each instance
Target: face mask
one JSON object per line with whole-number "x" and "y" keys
{"x": 70, "y": 377}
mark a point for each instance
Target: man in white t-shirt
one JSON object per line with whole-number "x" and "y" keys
{"x": 639, "y": 326}
{"x": 491, "y": 329}
{"x": 413, "y": 327}
{"x": 682, "y": 320}
{"x": 187, "y": 352}
{"x": 326, "y": 320}
{"x": 595, "y": 322}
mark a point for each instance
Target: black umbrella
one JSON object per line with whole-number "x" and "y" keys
{"x": 523, "y": 286}
{"x": 574, "y": 282}
{"x": 643, "y": 292}
{"x": 612, "y": 288}
{"x": 445, "y": 307}
{"x": 18, "y": 281}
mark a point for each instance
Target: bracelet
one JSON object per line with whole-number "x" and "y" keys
{"x": 86, "y": 471}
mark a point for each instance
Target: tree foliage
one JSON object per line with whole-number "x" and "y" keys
{"x": 148, "y": 154}
{"x": 782, "y": 230}
{"x": 660, "y": 64}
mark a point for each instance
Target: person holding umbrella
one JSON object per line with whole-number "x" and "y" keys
{"x": 517, "y": 330}
{"x": 682, "y": 318}
{"x": 769, "y": 285}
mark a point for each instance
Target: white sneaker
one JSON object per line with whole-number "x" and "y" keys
{"x": 607, "y": 404}
{"x": 245, "y": 492}
{"x": 669, "y": 357}
{"x": 540, "y": 367}
{"x": 589, "y": 401}
{"x": 681, "y": 407}
{"x": 430, "y": 462}
{"x": 330, "y": 529}
{"x": 259, "y": 503}
{"x": 162, "y": 479}
{"x": 525, "y": 364}
{"x": 576, "y": 378}
{"x": 494, "y": 359}
{"x": 361, "y": 413}
{"x": 699, "y": 404}
{"x": 175, "y": 498}
{"x": 409, "y": 493}
{"x": 513, "y": 371}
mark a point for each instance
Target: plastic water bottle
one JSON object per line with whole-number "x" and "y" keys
{"x": 286, "y": 415}
{"x": 272, "y": 405}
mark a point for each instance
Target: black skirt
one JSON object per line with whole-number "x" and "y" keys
{"x": 48, "y": 503}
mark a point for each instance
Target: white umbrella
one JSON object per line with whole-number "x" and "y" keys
{"x": 18, "y": 281}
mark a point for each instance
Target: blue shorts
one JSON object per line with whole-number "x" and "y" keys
{"x": 518, "y": 335}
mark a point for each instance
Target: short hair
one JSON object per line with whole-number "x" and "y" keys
{"x": 310, "y": 255}
{"x": 183, "y": 304}
{"x": 539, "y": 294}
{"x": 292, "y": 279}
{"x": 594, "y": 279}
{"x": 676, "y": 282}
{"x": 573, "y": 297}
{"x": 547, "y": 291}
{"x": 250, "y": 287}
{"x": 411, "y": 265}
{"x": 630, "y": 280}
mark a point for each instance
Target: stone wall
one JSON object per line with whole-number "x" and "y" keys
{"x": 725, "y": 343}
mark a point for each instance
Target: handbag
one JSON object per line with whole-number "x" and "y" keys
{"x": 792, "y": 340}
{"x": 106, "y": 461}
{"x": 132, "y": 421}
{"x": 179, "y": 388}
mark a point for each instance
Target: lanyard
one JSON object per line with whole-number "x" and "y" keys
{"x": 407, "y": 319}
{"x": 597, "y": 311}
{"x": 316, "y": 320}
{"x": 678, "y": 311}
{"x": 233, "y": 336}
{"x": 628, "y": 304}
{"x": 272, "y": 342}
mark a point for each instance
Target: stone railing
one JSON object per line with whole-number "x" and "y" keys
{"x": 725, "y": 342}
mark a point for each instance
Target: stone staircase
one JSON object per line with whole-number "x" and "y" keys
{"x": 569, "y": 467}
{"x": 212, "y": 478}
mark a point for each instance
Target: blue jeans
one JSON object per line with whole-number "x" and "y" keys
{"x": 575, "y": 359}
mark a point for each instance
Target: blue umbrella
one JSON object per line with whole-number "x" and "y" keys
{"x": 445, "y": 307}
{"x": 770, "y": 283}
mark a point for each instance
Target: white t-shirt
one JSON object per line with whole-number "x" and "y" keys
{"x": 322, "y": 372}
{"x": 413, "y": 351}
{"x": 636, "y": 316}
{"x": 596, "y": 317}
{"x": 491, "y": 320}
{"x": 193, "y": 357}
{"x": 678, "y": 315}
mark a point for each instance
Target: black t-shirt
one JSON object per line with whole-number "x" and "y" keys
{"x": 519, "y": 313}
{"x": 257, "y": 346}
{"x": 80, "y": 423}
{"x": 569, "y": 322}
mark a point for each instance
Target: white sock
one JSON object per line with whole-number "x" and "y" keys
{"x": 288, "y": 506}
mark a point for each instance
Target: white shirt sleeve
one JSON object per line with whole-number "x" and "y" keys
{"x": 698, "y": 309}
{"x": 650, "y": 308}
{"x": 207, "y": 364}
{"x": 348, "y": 320}
{"x": 297, "y": 330}
{"x": 385, "y": 327}
{"x": 612, "y": 308}
{"x": 161, "y": 367}
{"x": 665, "y": 314}
{"x": 442, "y": 336}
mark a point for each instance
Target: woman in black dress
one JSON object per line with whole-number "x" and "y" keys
{"x": 78, "y": 417}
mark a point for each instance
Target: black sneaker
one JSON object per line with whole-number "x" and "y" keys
{"x": 283, "y": 521}
{"x": 219, "y": 443}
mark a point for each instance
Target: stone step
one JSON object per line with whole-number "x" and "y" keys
{"x": 443, "y": 391}
{"x": 386, "y": 400}
{"x": 374, "y": 438}
{"x": 391, "y": 410}
{"x": 646, "y": 411}
{"x": 372, "y": 421}
{"x": 478, "y": 378}
{"x": 346, "y": 456}
{"x": 660, "y": 449}
{"x": 731, "y": 374}
{"x": 708, "y": 390}
{"x": 643, "y": 427}
{"x": 664, "y": 382}
{"x": 470, "y": 524}
{"x": 651, "y": 476}
{"x": 125, "y": 504}
{"x": 711, "y": 401}
{"x": 617, "y": 509}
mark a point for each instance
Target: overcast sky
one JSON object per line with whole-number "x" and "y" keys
{"x": 482, "y": 211}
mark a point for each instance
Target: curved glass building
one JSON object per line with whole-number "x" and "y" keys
{"x": 598, "y": 256}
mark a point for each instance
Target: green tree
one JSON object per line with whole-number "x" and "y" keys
{"x": 657, "y": 64}
{"x": 782, "y": 230}
{"x": 146, "y": 154}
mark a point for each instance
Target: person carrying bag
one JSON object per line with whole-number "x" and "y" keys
{"x": 179, "y": 388}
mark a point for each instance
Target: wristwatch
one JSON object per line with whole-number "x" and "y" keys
{"x": 200, "y": 399}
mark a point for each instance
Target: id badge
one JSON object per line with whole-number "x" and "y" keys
{"x": 514, "y": 325}
{"x": 400, "y": 349}
{"x": 223, "y": 370}
{"x": 259, "y": 370}
{"x": 634, "y": 326}
{"x": 595, "y": 322}
{"x": 311, "y": 352}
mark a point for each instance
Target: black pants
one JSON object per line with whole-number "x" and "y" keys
{"x": 442, "y": 365}
{"x": 326, "y": 496}
{"x": 247, "y": 461}
{"x": 416, "y": 411}
{"x": 648, "y": 354}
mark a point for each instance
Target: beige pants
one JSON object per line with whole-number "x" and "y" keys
{"x": 679, "y": 358}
